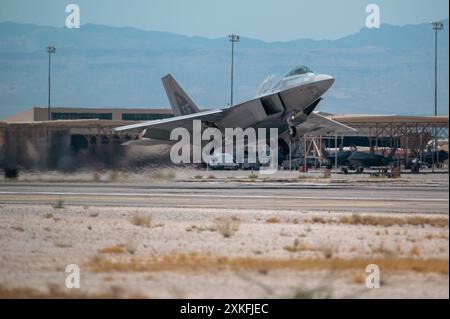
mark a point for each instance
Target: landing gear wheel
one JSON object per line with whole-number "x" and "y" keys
{"x": 292, "y": 131}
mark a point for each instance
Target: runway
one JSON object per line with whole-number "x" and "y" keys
{"x": 265, "y": 196}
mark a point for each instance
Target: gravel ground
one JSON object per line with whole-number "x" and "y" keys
{"x": 38, "y": 242}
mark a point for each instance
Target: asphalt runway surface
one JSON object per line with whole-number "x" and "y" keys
{"x": 230, "y": 195}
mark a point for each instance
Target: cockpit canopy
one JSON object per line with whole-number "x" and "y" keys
{"x": 301, "y": 69}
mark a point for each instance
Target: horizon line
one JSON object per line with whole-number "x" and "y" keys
{"x": 220, "y": 38}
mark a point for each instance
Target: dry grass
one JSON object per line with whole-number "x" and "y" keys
{"x": 383, "y": 221}
{"x": 197, "y": 262}
{"x": 387, "y": 221}
{"x": 358, "y": 278}
{"x": 130, "y": 245}
{"x": 327, "y": 251}
{"x": 236, "y": 218}
{"x": 226, "y": 226}
{"x": 318, "y": 220}
{"x": 273, "y": 220}
{"x": 315, "y": 293}
{"x": 55, "y": 292}
{"x": 115, "y": 249}
{"x": 437, "y": 236}
{"x": 141, "y": 220}
{"x": 59, "y": 204}
{"x": 381, "y": 250}
{"x": 96, "y": 177}
{"x": 200, "y": 228}
{"x": 63, "y": 245}
{"x": 414, "y": 252}
{"x": 308, "y": 229}
{"x": 298, "y": 246}
{"x": 18, "y": 228}
{"x": 162, "y": 175}
{"x": 113, "y": 176}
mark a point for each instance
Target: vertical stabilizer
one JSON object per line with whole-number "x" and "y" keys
{"x": 180, "y": 102}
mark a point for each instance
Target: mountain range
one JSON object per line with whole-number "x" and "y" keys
{"x": 389, "y": 70}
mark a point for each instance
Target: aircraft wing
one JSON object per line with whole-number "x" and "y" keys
{"x": 318, "y": 124}
{"x": 161, "y": 129}
{"x": 241, "y": 115}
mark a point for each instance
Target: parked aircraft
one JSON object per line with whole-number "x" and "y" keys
{"x": 361, "y": 160}
{"x": 341, "y": 157}
{"x": 437, "y": 157}
{"x": 428, "y": 158}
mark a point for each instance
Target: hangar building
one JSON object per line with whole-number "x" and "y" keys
{"x": 29, "y": 140}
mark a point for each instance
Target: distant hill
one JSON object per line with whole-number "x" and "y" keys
{"x": 388, "y": 70}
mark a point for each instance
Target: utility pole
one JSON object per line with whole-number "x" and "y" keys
{"x": 437, "y": 26}
{"x": 232, "y": 38}
{"x": 50, "y": 50}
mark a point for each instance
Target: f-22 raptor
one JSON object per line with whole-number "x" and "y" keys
{"x": 287, "y": 105}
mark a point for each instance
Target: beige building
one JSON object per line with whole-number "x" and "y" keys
{"x": 39, "y": 114}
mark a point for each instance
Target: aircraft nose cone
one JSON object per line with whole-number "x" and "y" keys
{"x": 324, "y": 81}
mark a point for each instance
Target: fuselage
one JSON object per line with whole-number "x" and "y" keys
{"x": 288, "y": 103}
{"x": 284, "y": 106}
{"x": 300, "y": 88}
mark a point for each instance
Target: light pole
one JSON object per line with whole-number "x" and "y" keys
{"x": 437, "y": 26}
{"x": 50, "y": 50}
{"x": 232, "y": 38}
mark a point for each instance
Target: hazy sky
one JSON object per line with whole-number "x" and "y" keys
{"x": 271, "y": 20}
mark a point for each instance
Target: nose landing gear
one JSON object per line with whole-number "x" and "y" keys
{"x": 292, "y": 128}
{"x": 292, "y": 131}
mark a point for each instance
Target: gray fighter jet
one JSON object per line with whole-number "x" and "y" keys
{"x": 288, "y": 106}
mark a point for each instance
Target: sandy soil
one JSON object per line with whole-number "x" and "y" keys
{"x": 219, "y": 253}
